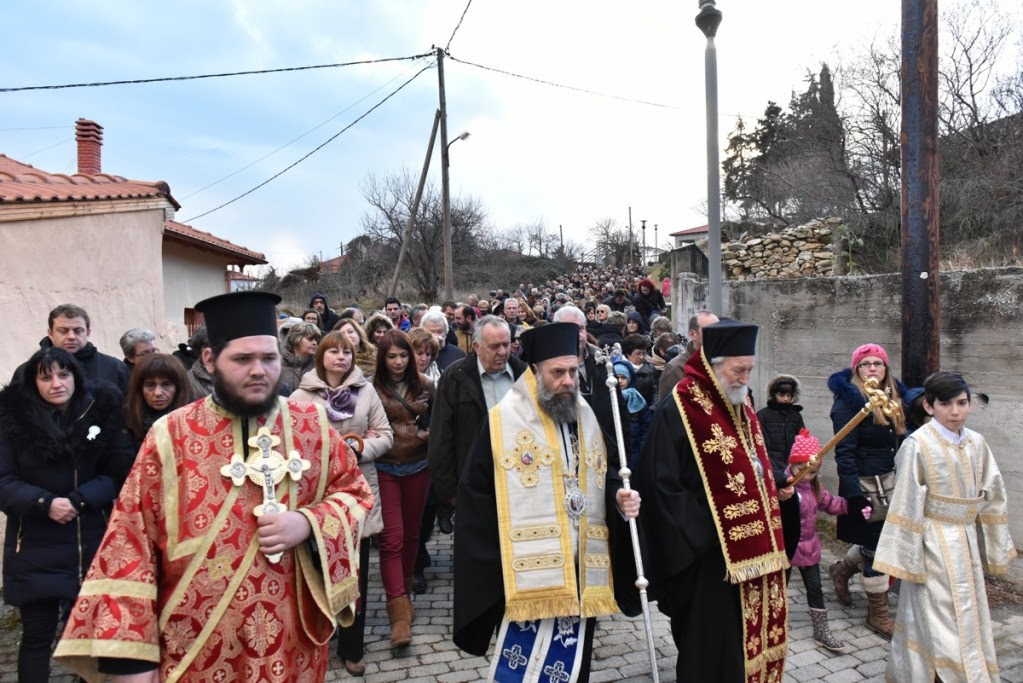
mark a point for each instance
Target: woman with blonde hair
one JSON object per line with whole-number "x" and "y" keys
{"x": 865, "y": 459}
{"x": 425, "y": 348}
{"x": 365, "y": 351}
{"x": 353, "y": 407}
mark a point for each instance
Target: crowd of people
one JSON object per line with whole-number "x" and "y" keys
{"x": 490, "y": 419}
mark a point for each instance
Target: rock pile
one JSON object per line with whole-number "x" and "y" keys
{"x": 801, "y": 251}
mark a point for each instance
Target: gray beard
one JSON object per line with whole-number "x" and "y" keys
{"x": 558, "y": 408}
{"x": 737, "y": 396}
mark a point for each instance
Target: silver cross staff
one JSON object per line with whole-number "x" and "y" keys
{"x": 605, "y": 355}
{"x": 270, "y": 505}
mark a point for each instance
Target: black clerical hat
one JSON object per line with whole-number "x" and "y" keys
{"x": 730, "y": 338}
{"x": 550, "y": 341}
{"x": 239, "y": 314}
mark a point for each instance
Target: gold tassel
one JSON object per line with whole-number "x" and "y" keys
{"x": 757, "y": 569}
{"x": 599, "y": 607}
{"x": 542, "y": 608}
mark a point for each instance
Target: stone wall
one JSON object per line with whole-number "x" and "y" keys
{"x": 810, "y": 326}
{"x": 802, "y": 251}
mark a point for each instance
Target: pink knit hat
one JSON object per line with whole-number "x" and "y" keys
{"x": 868, "y": 350}
{"x": 804, "y": 447}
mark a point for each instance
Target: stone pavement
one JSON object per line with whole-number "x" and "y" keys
{"x": 620, "y": 644}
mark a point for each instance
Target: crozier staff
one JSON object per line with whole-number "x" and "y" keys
{"x": 232, "y": 550}
{"x": 537, "y": 534}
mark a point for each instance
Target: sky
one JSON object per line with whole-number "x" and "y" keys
{"x": 536, "y": 152}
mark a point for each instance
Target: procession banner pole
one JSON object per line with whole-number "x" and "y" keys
{"x": 624, "y": 472}
{"x": 876, "y": 398}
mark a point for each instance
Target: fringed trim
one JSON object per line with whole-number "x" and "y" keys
{"x": 767, "y": 657}
{"x": 344, "y": 595}
{"x": 898, "y": 573}
{"x": 599, "y": 607}
{"x": 525, "y": 609}
{"x": 751, "y": 569}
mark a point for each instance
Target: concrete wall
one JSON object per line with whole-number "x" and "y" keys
{"x": 189, "y": 276}
{"x": 809, "y": 328}
{"x": 109, "y": 264}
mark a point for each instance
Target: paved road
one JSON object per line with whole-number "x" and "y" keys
{"x": 619, "y": 647}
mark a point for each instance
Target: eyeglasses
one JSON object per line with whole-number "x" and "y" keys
{"x": 871, "y": 364}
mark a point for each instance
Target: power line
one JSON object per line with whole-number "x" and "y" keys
{"x": 8, "y": 130}
{"x": 294, "y": 140}
{"x": 457, "y": 26}
{"x": 220, "y": 75}
{"x": 56, "y": 144}
{"x": 561, "y": 85}
{"x": 315, "y": 149}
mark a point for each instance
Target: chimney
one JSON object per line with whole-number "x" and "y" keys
{"x": 89, "y": 136}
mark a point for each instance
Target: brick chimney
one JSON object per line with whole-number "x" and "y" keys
{"x": 89, "y": 136}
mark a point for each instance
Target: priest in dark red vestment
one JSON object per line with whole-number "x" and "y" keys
{"x": 233, "y": 550}
{"x": 711, "y": 523}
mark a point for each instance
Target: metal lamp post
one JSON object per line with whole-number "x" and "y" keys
{"x": 449, "y": 278}
{"x": 708, "y": 21}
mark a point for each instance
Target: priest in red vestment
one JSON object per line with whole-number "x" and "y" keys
{"x": 232, "y": 553}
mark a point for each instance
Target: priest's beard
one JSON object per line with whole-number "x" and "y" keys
{"x": 237, "y": 405}
{"x": 559, "y": 407}
{"x": 736, "y": 395}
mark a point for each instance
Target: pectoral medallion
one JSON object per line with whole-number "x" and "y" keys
{"x": 575, "y": 501}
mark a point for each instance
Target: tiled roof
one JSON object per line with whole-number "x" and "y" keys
{"x": 333, "y": 265}
{"x": 22, "y": 183}
{"x": 699, "y": 230}
{"x": 186, "y": 234}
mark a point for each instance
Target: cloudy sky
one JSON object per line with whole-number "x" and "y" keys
{"x": 536, "y": 152}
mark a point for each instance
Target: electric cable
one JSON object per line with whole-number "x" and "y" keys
{"x": 38, "y": 151}
{"x": 218, "y": 75}
{"x": 315, "y": 149}
{"x": 294, "y": 140}
{"x": 8, "y": 130}
{"x": 457, "y": 26}
{"x": 561, "y": 85}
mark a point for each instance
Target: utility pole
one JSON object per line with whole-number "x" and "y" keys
{"x": 657, "y": 251}
{"x": 921, "y": 314}
{"x": 407, "y": 236}
{"x": 642, "y": 260}
{"x": 449, "y": 284}
{"x": 708, "y": 21}
{"x": 561, "y": 232}
{"x": 630, "y": 236}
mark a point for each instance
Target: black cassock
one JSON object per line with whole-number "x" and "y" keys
{"x": 479, "y": 585}
{"x": 682, "y": 555}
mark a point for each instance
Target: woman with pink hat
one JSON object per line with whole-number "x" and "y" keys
{"x": 866, "y": 476}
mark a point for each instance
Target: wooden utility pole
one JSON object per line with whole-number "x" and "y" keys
{"x": 392, "y": 290}
{"x": 449, "y": 278}
{"x": 921, "y": 303}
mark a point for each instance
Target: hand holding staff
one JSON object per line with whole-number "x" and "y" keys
{"x": 624, "y": 472}
{"x": 876, "y": 398}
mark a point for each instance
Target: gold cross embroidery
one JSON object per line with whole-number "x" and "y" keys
{"x": 721, "y": 444}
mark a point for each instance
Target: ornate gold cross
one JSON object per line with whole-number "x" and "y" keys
{"x": 265, "y": 468}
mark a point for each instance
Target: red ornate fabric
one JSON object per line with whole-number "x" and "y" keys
{"x": 179, "y": 579}
{"x": 727, "y": 443}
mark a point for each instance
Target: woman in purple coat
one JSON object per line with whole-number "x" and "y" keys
{"x": 813, "y": 497}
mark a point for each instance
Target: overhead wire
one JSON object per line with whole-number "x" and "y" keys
{"x": 296, "y": 139}
{"x": 562, "y": 85}
{"x": 315, "y": 149}
{"x": 217, "y": 75}
{"x": 9, "y": 130}
{"x": 39, "y": 151}
{"x": 457, "y": 26}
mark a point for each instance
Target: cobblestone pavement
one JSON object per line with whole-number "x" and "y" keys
{"x": 619, "y": 647}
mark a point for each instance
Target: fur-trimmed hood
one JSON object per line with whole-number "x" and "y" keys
{"x": 25, "y": 424}
{"x": 840, "y": 384}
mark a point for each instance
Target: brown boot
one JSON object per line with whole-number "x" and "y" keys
{"x": 399, "y": 612}
{"x": 841, "y": 572}
{"x": 878, "y": 619}
{"x": 409, "y": 593}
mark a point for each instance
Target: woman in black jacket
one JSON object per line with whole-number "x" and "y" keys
{"x": 867, "y": 452}
{"x": 64, "y": 453}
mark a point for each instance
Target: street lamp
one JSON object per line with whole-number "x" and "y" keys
{"x": 449, "y": 277}
{"x": 708, "y": 21}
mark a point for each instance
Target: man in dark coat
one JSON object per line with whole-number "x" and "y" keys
{"x": 460, "y": 405}
{"x": 715, "y": 553}
{"x": 69, "y": 328}
{"x": 673, "y": 369}
{"x": 328, "y": 316}
{"x": 618, "y": 301}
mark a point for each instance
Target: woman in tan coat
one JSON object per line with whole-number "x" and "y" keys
{"x": 353, "y": 407}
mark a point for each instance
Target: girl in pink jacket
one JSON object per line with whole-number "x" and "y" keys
{"x": 813, "y": 497}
